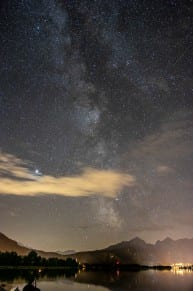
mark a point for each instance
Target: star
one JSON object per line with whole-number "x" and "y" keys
{"x": 37, "y": 172}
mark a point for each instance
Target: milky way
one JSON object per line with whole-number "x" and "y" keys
{"x": 96, "y": 110}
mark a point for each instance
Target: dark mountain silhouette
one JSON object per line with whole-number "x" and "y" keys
{"x": 135, "y": 251}
{"x": 9, "y": 245}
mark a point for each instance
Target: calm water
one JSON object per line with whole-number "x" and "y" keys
{"x": 100, "y": 281}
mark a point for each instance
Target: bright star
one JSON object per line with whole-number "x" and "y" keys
{"x": 37, "y": 172}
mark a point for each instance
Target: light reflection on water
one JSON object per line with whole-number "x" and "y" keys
{"x": 101, "y": 281}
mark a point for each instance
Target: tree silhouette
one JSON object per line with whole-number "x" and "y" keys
{"x": 33, "y": 259}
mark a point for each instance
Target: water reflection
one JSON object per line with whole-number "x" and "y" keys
{"x": 19, "y": 278}
{"x": 143, "y": 280}
{"x": 100, "y": 281}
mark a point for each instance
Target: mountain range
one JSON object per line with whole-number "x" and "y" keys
{"x": 9, "y": 245}
{"x": 135, "y": 251}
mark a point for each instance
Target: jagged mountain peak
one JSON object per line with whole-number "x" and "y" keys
{"x": 137, "y": 251}
{"x": 137, "y": 240}
{"x": 166, "y": 240}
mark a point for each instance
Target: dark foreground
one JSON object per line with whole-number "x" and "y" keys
{"x": 119, "y": 280}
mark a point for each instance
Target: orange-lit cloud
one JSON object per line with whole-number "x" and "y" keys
{"x": 163, "y": 169}
{"x": 91, "y": 181}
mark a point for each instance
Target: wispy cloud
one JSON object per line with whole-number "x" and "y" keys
{"x": 164, "y": 169}
{"x": 16, "y": 179}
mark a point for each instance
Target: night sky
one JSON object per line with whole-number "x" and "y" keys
{"x": 96, "y": 121}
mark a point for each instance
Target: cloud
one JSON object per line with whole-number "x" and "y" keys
{"x": 16, "y": 179}
{"x": 163, "y": 169}
{"x": 169, "y": 145}
{"x": 162, "y": 163}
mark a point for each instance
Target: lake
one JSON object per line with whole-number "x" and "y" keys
{"x": 100, "y": 281}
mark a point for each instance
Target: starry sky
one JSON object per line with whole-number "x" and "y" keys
{"x": 96, "y": 121}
